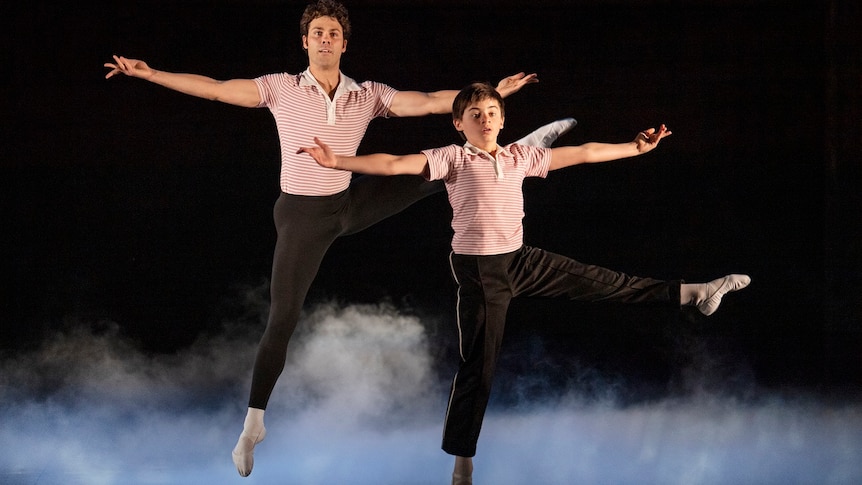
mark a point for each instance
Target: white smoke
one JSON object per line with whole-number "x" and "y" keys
{"x": 361, "y": 402}
{"x": 360, "y": 364}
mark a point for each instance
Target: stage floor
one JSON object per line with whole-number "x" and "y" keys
{"x": 692, "y": 442}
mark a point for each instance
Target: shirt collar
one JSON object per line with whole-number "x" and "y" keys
{"x": 498, "y": 166}
{"x": 345, "y": 84}
{"x": 473, "y": 150}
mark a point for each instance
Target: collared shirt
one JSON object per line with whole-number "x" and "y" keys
{"x": 486, "y": 193}
{"x": 303, "y": 110}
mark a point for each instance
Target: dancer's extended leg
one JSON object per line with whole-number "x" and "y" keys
{"x": 306, "y": 227}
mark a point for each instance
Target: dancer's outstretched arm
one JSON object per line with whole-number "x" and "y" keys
{"x": 238, "y": 92}
{"x": 594, "y": 152}
{"x": 415, "y": 103}
{"x": 374, "y": 164}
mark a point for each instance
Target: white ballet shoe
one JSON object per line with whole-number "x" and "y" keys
{"x": 716, "y": 289}
{"x": 243, "y": 452}
{"x": 546, "y": 135}
{"x": 458, "y": 479}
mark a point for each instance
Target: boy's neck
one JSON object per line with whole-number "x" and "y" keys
{"x": 490, "y": 147}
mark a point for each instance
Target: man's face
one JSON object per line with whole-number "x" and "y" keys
{"x": 481, "y": 123}
{"x": 325, "y": 42}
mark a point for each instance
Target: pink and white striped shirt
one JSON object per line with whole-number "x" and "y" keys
{"x": 486, "y": 194}
{"x": 302, "y": 110}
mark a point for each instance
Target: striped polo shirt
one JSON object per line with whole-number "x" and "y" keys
{"x": 302, "y": 110}
{"x": 486, "y": 194}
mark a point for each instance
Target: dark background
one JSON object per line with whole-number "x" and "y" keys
{"x": 123, "y": 202}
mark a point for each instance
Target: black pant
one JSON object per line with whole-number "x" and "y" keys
{"x": 486, "y": 286}
{"x": 306, "y": 228}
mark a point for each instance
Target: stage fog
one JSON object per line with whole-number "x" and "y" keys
{"x": 361, "y": 402}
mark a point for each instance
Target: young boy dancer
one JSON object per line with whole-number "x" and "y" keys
{"x": 489, "y": 261}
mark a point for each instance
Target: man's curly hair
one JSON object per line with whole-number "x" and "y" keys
{"x": 325, "y": 8}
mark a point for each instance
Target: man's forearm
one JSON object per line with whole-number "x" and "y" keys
{"x": 191, "y": 84}
{"x": 238, "y": 92}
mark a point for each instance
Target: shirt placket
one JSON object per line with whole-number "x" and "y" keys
{"x": 498, "y": 166}
{"x": 330, "y": 110}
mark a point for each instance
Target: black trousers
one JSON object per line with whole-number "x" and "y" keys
{"x": 486, "y": 286}
{"x": 306, "y": 228}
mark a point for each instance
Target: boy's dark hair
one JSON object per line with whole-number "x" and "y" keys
{"x": 325, "y": 8}
{"x": 473, "y": 93}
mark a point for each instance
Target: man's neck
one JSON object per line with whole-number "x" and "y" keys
{"x": 327, "y": 78}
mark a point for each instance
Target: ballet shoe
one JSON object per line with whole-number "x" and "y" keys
{"x": 243, "y": 452}
{"x": 716, "y": 289}
{"x": 458, "y": 479}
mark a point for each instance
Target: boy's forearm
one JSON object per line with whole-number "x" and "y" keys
{"x": 595, "y": 152}
{"x": 605, "y": 152}
{"x": 377, "y": 164}
{"x": 382, "y": 164}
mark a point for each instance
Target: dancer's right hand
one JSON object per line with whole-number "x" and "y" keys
{"x": 129, "y": 67}
{"x": 322, "y": 154}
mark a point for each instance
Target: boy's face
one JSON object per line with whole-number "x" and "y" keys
{"x": 481, "y": 123}
{"x": 325, "y": 42}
